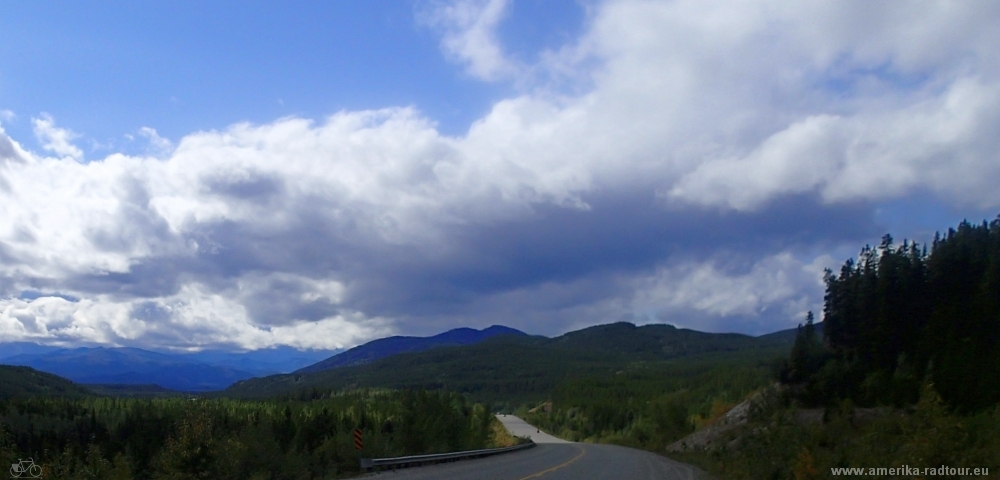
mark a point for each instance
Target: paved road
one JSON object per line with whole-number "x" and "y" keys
{"x": 520, "y": 428}
{"x": 555, "y": 459}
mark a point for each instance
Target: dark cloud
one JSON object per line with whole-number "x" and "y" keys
{"x": 253, "y": 187}
{"x": 33, "y": 294}
{"x": 148, "y": 278}
{"x": 136, "y": 222}
{"x": 7, "y": 151}
{"x": 589, "y": 253}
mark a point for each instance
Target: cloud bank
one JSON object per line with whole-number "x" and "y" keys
{"x": 718, "y": 157}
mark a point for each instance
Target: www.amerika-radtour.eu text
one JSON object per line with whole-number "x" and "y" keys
{"x": 908, "y": 470}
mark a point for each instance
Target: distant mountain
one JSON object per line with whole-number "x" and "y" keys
{"x": 265, "y": 361}
{"x": 25, "y": 381}
{"x": 205, "y": 370}
{"x": 12, "y": 349}
{"x": 131, "y": 366}
{"x": 649, "y": 342}
{"x": 519, "y": 368}
{"x": 385, "y": 347}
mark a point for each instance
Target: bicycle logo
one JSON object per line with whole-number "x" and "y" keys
{"x": 27, "y": 467}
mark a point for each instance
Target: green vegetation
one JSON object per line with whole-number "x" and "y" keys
{"x": 229, "y": 439}
{"x": 299, "y": 425}
{"x": 781, "y": 442}
{"x": 904, "y": 371}
{"x": 652, "y": 406}
{"x": 133, "y": 391}
{"x": 900, "y": 317}
{"x": 509, "y": 371}
{"x": 26, "y": 381}
{"x": 914, "y": 336}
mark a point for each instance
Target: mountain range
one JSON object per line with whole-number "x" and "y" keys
{"x": 519, "y": 368}
{"x": 131, "y": 366}
{"x": 490, "y": 364}
{"x": 212, "y": 369}
{"x": 201, "y": 371}
{"x": 385, "y": 347}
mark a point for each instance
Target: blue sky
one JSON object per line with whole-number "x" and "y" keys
{"x": 249, "y": 174}
{"x": 181, "y": 67}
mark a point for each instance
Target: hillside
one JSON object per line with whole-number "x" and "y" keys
{"x": 25, "y": 381}
{"x": 385, "y": 347}
{"x": 515, "y": 369}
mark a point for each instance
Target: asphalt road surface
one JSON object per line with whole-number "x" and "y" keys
{"x": 555, "y": 459}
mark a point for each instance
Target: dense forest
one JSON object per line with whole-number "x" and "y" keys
{"x": 901, "y": 317}
{"x": 180, "y": 438}
{"x": 649, "y": 406}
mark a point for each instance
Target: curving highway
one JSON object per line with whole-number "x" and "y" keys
{"x": 556, "y": 459}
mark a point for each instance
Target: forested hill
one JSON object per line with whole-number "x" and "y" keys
{"x": 26, "y": 381}
{"x": 520, "y": 368}
{"x": 385, "y": 347}
{"x": 902, "y": 316}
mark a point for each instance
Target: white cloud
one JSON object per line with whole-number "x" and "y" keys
{"x": 780, "y": 287}
{"x": 157, "y": 144}
{"x": 194, "y": 317}
{"x": 942, "y": 144}
{"x": 469, "y": 37}
{"x": 54, "y": 139}
{"x": 731, "y": 105}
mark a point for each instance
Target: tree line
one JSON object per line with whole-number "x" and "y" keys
{"x": 178, "y": 438}
{"x": 901, "y": 317}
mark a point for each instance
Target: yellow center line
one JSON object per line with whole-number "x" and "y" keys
{"x": 557, "y": 467}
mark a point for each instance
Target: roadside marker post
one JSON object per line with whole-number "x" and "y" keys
{"x": 359, "y": 445}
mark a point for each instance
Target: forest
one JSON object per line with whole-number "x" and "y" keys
{"x": 188, "y": 438}
{"x": 649, "y": 406}
{"x": 901, "y": 317}
{"x": 904, "y": 369}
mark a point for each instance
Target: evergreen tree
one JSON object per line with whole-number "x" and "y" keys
{"x": 899, "y": 314}
{"x": 807, "y": 353}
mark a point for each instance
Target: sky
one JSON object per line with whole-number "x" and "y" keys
{"x": 243, "y": 175}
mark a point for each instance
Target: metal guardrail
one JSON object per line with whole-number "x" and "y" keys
{"x": 417, "y": 460}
